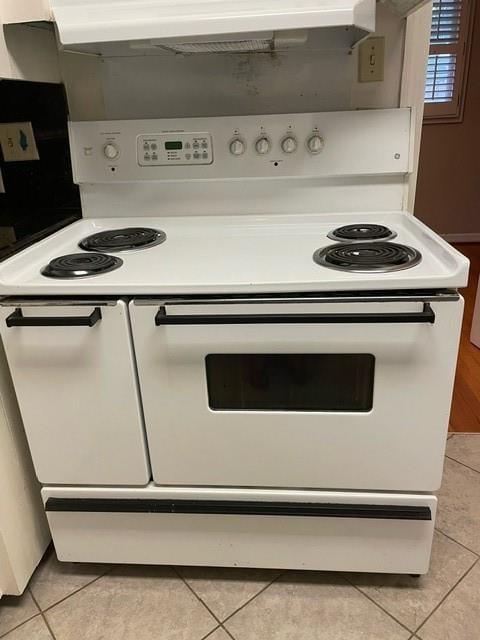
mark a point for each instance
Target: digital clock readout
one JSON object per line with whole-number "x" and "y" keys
{"x": 173, "y": 145}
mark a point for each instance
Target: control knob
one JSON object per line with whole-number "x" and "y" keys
{"x": 237, "y": 147}
{"x": 315, "y": 143}
{"x": 111, "y": 151}
{"x": 289, "y": 144}
{"x": 262, "y": 146}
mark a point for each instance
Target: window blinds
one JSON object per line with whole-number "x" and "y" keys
{"x": 441, "y": 70}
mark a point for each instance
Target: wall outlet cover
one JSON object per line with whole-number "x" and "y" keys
{"x": 18, "y": 142}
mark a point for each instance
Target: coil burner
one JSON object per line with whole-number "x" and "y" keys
{"x": 113, "y": 240}
{"x": 81, "y": 265}
{"x": 367, "y": 257}
{"x": 362, "y": 233}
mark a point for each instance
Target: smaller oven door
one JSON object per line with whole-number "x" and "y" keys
{"x": 74, "y": 374}
{"x": 319, "y": 394}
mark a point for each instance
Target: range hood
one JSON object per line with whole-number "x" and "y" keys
{"x": 248, "y": 23}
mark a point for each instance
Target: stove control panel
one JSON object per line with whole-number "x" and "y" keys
{"x": 295, "y": 145}
{"x": 169, "y": 149}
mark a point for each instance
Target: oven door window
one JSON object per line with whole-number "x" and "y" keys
{"x": 290, "y": 382}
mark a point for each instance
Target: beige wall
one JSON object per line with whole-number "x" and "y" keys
{"x": 448, "y": 188}
{"x": 28, "y": 53}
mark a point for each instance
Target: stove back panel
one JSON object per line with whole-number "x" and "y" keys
{"x": 186, "y": 166}
{"x": 355, "y": 143}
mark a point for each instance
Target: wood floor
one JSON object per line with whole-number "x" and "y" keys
{"x": 465, "y": 415}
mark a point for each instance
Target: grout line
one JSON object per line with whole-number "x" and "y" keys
{"x": 377, "y": 604}
{"x": 462, "y": 463}
{"x": 47, "y": 624}
{"x": 76, "y": 591}
{"x": 219, "y": 626}
{"x": 446, "y": 596}
{"x": 44, "y": 618}
{"x": 282, "y": 573}
{"x": 457, "y": 542}
{"x": 221, "y": 622}
{"x": 33, "y": 598}
{"x": 179, "y": 575}
{"x": 4, "y": 635}
{"x": 230, "y": 635}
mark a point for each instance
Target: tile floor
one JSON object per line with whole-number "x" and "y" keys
{"x": 100, "y": 602}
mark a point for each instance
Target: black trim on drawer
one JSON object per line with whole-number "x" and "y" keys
{"x": 239, "y": 507}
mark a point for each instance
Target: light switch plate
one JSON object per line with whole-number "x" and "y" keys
{"x": 7, "y": 236}
{"x": 18, "y": 142}
{"x": 371, "y": 57}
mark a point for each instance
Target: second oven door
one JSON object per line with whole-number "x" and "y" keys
{"x": 74, "y": 375}
{"x": 331, "y": 395}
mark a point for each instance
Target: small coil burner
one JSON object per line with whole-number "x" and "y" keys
{"x": 361, "y": 233}
{"x": 113, "y": 240}
{"x": 81, "y": 265}
{"x": 367, "y": 257}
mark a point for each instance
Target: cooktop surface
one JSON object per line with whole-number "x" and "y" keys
{"x": 243, "y": 254}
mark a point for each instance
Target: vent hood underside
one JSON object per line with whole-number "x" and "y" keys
{"x": 86, "y": 22}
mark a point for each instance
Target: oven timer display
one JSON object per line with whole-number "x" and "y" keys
{"x": 173, "y": 145}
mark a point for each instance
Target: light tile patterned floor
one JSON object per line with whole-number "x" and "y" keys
{"x": 100, "y": 602}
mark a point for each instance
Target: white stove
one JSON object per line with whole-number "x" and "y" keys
{"x": 233, "y": 359}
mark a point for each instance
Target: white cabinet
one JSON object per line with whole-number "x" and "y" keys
{"x": 24, "y": 11}
{"x": 28, "y": 49}
{"x": 24, "y": 532}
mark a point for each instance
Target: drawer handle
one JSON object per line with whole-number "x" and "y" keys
{"x": 240, "y": 507}
{"x": 427, "y": 316}
{"x": 17, "y": 319}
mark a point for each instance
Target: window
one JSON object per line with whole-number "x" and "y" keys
{"x": 448, "y": 60}
{"x": 290, "y": 381}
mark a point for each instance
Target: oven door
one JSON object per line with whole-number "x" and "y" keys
{"x": 74, "y": 374}
{"x": 297, "y": 394}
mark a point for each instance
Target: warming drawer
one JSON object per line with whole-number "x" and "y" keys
{"x": 338, "y": 531}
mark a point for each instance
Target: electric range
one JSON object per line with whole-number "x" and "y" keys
{"x": 237, "y": 255}
{"x": 236, "y": 375}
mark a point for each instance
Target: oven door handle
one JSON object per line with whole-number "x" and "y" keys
{"x": 17, "y": 319}
{"x": 425, "y": 316}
